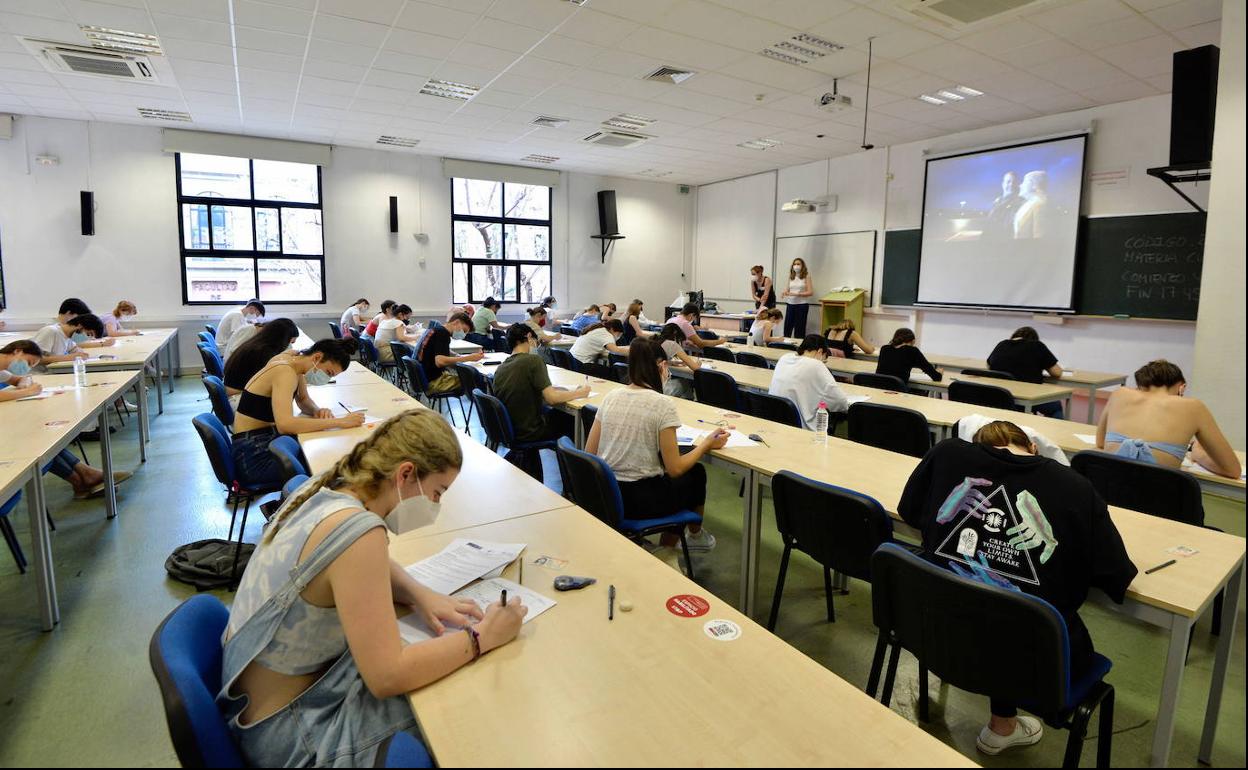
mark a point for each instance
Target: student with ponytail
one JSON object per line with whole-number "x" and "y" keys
{"x": 314, "y": 672}
{"x": 900, "y": 356}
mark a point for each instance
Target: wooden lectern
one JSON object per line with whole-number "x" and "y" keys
{"x": 839, "y": 305}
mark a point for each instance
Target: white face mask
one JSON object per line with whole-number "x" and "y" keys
{"x": 412, "y": 513}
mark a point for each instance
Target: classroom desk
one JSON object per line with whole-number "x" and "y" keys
{"x": 578, "y": 690}
{"x": 37, "y": 431}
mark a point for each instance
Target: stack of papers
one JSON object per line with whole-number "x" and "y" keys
{"x": 462, "y": 562}
{"x": 687, "y": 436}
{"x": 413, "y": 629}
{"x": 1087, "y": 438}
{"x": 853, "y": 399}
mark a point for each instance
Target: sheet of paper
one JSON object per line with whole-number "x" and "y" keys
{"x": 1068, "y": 374}
{"x": 919, "y": 377}
{"x": 687, "y": 436}
{"x": 852, "y": 399}
{"x": 706, "y": 364}
{"x": 413, "y": 629}
{"x": 1087, "y": 438}
{"x": 462, "y": 562}
{"x": 338, "y": 410}
{"x": 37, "y": 397}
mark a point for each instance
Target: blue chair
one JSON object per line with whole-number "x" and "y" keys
{"x": 496, "y": 421}
{"x": 779, "y": 409}
{"x": 391, "y": 368}
{"x": 958, "y": 628}
{"x": 290, "y": 457}
{"x": 564, "y": 360}
{"x": 220, "y": 399}
{"x": 982, "y": 394}
{"x": 752, "y": 359}
{"x": 894, "y": 428}
{"x": 211, "y": 330}
{"x": 209, "y": 340}
{"x": 212, "y": 361}
{"x": 420, "y": 385}
{"x": 368, "y": 352}
{"x": 707, "y": 334}
{"x": 782, "y": 346}
{"x": 568, "y": 330}
{"x": 484, "y": 340}
{"x": 470, "y": 378}
{"x": 185, "y": 655}
{"x": 717, "y": 389}
{"x": 500, "y": 341}
{"x": 719, "y": 353}
{"x": 217, "y": 445}
{"x": 10, "y": 537}
{"x": 616, "y": 358}
{"x": 434, "y": 324}
{"x": 292, "y": 484}
{"x": 881, "y": 381}
{"x": 590, "y": 483}
{"x": 335, "y": 330}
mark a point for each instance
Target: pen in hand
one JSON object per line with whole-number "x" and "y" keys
{"x": 503, "y": 600}
{"x": 611, "y": 603}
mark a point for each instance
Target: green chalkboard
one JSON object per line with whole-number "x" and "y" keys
{"x": 1145, "y": 266}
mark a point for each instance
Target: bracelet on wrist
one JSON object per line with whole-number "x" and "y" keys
{"x": 476, "y": 641}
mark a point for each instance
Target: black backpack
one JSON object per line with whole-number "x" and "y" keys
{"x": 207, "y": 564}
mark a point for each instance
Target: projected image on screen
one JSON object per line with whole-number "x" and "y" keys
{"x": 1000, "y": 226}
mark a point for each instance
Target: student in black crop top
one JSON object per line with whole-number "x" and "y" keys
{"x": 900, "y": 356}
{"x": 272, "y": 338}
{"x": 844, "y": 337}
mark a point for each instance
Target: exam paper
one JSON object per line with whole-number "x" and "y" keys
{"x": 856, "y": 399}
{"x": 413, "y": 629}
{"x": 462, "y": 562}
{"x": 1086, "y": 438}
{"x": 919, "y": 377}
{"x": 687, "y": 436}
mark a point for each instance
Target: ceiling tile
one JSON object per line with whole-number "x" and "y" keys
{"x": 1115, "y": 32}
{"x": 249, "y": 13}
{"x": 436, "y": 20}
{"x": 667, "y": 47}
{"x": 541, "y": 14}
{"x": 334, "y": 70}
{"x": 268, "y": 40}
{"x": 1201, "y": 34}
{"x": 566, "y": 50}
{"x": 1119, "y": 92}
{"x": 1007, "y": 37}
{"x": 591, "y": 26}
{"x": 482, "y": 56}
{"x": 192, "y": 29}
{"x": 701, "y": 19}
{"x": 46, "y": 29}
{"x": 500, "y": 34}
{"x": 775, "y": 74}
{"x": 268, "y": 61}
{"x": 341, "y": 53}
{"x": 212, "y": 10}
{"x": 109, "y": 15}
{"x": 1186, "y": 14}
{"x": 410, "y": 65}
{"x": 375, "y": 11}
{"x": 343, "y": 30}
{"x": 420, "y": 44}
{"x": 853, "y": 28}
{"x": 194, "y": 50}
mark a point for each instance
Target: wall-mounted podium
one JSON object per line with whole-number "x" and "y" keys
{"x": 839, "y": 305}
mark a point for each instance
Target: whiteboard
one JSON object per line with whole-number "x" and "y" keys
{"x": 834, "y": 260}
{"x": 735, "y": 230}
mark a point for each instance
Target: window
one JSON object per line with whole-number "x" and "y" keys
{"x": 500, "y": 244}
{"x": 249, "y": 228}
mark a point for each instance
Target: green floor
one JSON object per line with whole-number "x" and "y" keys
{"x": 84, "y": 694}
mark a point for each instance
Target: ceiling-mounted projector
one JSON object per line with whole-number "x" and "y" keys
{"x": 803, "y": 206}
{"x": 832, "y": 102}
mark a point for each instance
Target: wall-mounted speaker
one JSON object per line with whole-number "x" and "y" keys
{"x": 87, "y": 201}
{"x": 607, "y": 223}
{"x": 1193, "y": 101}
{"x": 394, "y": 213}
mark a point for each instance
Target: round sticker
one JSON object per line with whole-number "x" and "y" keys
{"x": 722, "y": 630}
{"x": 688, "y": 606}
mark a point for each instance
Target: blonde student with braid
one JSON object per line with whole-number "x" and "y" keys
{"x": 314, "y": 670}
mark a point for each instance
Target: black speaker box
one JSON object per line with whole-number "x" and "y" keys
{"x": 1193, "y": 99}
{"x": 87, "y": 201}
{"x": 394, "y": 213}
{"x": 607, "y": 224}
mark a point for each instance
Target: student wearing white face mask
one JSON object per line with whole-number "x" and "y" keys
{"x": 65, "y": 341}
{"x": 314, "y": 612}
{"x": 266, "y": 407}
{"x": 234, "y": 320}
{"x": 124, "y": 311}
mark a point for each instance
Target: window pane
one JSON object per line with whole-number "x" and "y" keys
{"x": 215, "y": 176}
{"x": 231, "y": 228}
{"x": 195, "y": 226}
{"x": 280, "y": 181}
{"x": 290, "y": 280}
{"x": 301, "y": 231}
{"x": 459, "y": 283}
{"x": 493, "y": 281}
{"x": 267, "y": 236}
{"x": 534, "y": 283}
{"x": 219, "y": 279}
{"x": 478, "y": 240}
{"x": 526, "y": 201}
{"x": 528, "y": 242}
{"x": 477, "y": 197}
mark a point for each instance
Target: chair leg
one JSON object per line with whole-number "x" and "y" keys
{"x": 877, "y": 664}
{"x": 233, "y": 517}
{"x": 924, "y": 715}
{"x": 51, "y": 521}
{"x": 1105, "y": 731}
{"x": 1078, "y": 733}
{"x": 684, "y": 547}
{"x": 15, "y": 547}
{"x": 827, "y": 593}
{"x": 238, "y": 549}
{"x": 83, "y": 451}
{"x": 463, "y": 412}
{"x": 775, "y": 599}
{"x": 890, "y": 676}
{"x": 1215, "y": 627}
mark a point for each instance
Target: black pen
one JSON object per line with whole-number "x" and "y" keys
{"x": 504, "y": 599}
{"x": 1159, "y": 567}
{"x": 345, "y": 408}
{"x": 611, "y": 603}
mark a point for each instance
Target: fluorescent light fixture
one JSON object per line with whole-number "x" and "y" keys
{"x": 449, "y": 90}
{"x": 628, "y": 122}
{"x": 771, "y": 53}
{"x": 950, "y": 95}
{"x": 808, "y": 39}
{"x": 540, "y": 158}
{"x": 967, "y": 91}
{"x": 759, "y": 144}
{"x": 800, "y": 50}
{"x": 121, "y": 40}
{"x": 397, "y": 141}
{"x": 931, "y": 99}
{"x": 153, "y": 113}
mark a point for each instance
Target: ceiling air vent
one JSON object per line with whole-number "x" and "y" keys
{"x": 397, "y": 141}
{"x": 759, "y": 144}
{"x": 653, "y": 173}
{"x": 152, "y": 113}
{"x": 64, "y": 58}
{"x": 545, "y": 121}
{"x": 122, "y": 41}
{"x": 960, "y": 14}
{"x": 672, "y": 75}
{"x": 615, "y": 138}
{"x": 628, "y": 122}
{"x": 449, "y": 90}
{"x": 540, "y": 158}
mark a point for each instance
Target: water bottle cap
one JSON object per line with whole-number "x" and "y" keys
{"x": 823, "y": 404}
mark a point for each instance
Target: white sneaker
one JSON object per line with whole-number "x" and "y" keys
{"x": 1027, "y": 732}
{"x": 700, "y": 541}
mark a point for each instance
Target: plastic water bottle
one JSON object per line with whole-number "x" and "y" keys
{"x": 80, "y": 373}
{"x": 821, "y": 424}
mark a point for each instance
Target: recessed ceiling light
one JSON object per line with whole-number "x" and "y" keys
{"x": 931, "y": 99}
{"x": 540, "y": 158}
{"x": 628, "y": 122}
{"x": 800, "y": 50}
{"x": 397, "y": 141}
{"x": 818, "y": 41}
{"x": 121, "y": 40}
{"x": 155, "y": 114}
{"x": 450, "y": 90}
{"x": 546, "y": 121}
{"x": 772, "y": 53}
{"x": 950, "y": 95}
{"x": 653, "y": 172}
{"x": 759, "y": 144}
{"x": 967, "y": 91}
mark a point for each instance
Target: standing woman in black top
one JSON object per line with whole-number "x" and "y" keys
{"x": 900, "y": 356}
{"x": 761, "y": 289}
{"x": 1028, "y": 359}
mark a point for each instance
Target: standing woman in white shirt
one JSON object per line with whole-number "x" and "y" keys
{"x": 800, "y": 288}
{"x": 804, "y": 379}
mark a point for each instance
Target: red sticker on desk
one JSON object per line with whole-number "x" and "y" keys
{"x": 688, "y": 606}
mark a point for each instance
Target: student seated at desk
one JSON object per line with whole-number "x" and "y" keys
{"x": 387, "y": 311}
{"x": 523, "y": 385}
{"x": 900, "y": 356}
{"x": 768, "y": 320}
{"x": 1153, "y": 422}
{"x": 267, "y": 340}
{"x": 353, "y": 316}
{"x": 641, "y": 314}
{"x": 586, "y": 318}
{"x": 548, "y": 304}
{"x": 485, "y": 321}
{"x": 804, "y": 379}
{"x": 434, "y": 353}
{"x": 537, "y": 322}
{"x": 236, "y": 319}
{"x": 608, "y": 310}
{"x": 124, "y": 311}
{"x": 1063, "y": 543}
{"x": 468, "y": 310}
{"x": 597, "y": 340}
{"x": 672, "y": 339}
{"x": 71, "y": 307}
{"x": 314, "y": 671}
{"x": 635, "y": 433}
{"x": 265, "y": 409}
{"x": 844, "y": 337}
{"x": 1028, "y": 359}
{"x": 632, "y": 323}
{"x": 685, "y": 319}
{"x": 65, "y": 341}
{"x": 394, "y": 330}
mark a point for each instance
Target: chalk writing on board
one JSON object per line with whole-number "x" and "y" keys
{"x": 1159, "y": 267}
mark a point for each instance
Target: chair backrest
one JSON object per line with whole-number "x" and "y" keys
{"x": 569, "y": 330}
{"x": 881, "y": 381}
{"x": 719, "y": 353}
{"x": 416, "y": 376}
{"x": 981, "y": 394}
{"x": 837, "y": 527}
{"x": 495, "y": 418}
{"x": 216, "y": 445}
{"x": 500, "y": 341}
{"x": 1142, "y": 486}
{"x": 484, "y": 340}
{"x": 293, "y": 483}
{"x": 564, "y": 360}
{"x": 994, "y": 373}
{"x": 621, "y": 373}
{"x": 779, "y": 409}
{"x": 471, "y": 377}
{"x": 601, "y": 371}
{"x": 209, "y": 340}
{"x": 894, "y": 428}
{"x": 398, "y": 350}
{"x": 219, "y": 398}
{"x": 335, "y": 330}
{"x": 434, "y": 324}
{"x": 589, "y": 413}
{"x": 718, "y": 389}
{"x": 211, "y": 330}
{"x": 707, "y": 334}
{"x": 212, "y": 361}
{"x": 367, "y": 352}
{"x": 959, "y": 627}
{"x": 185, "y": 655}
{"x": 289, "y": 456}
{"x": 752, "y": 359}
{"x": 782, "y": 346}
{"x": 590, "y": 483}
{"x": 616, "y": 358}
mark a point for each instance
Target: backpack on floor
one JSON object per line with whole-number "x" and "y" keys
{"x": 207, "y": 564}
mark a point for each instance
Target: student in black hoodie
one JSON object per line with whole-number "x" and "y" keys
{"x": 900, "y": 356}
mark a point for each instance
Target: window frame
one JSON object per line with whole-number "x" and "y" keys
{"x": 254, "y": 254}
{"x": 513, "y": 264}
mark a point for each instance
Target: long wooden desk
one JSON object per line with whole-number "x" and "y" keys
{"x": 576, "y": 689}
{"x": 35, "y": 431}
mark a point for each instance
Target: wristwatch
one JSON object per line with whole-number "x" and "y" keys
{"x": 476, "y": 641}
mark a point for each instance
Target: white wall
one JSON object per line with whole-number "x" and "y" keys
{"x": 1219, "y": 374}
{"x": 134, "y": 254}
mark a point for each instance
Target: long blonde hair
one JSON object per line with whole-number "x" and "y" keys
{"x": 420, "y": 436}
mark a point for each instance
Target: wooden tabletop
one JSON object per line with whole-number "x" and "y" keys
{"x": 127, "y": 352}
{"x": 34, "y": 428}
{"x": 1072, "y": 376}
{"x": 576, "y": 689}
{"x": 14, "y": 472}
